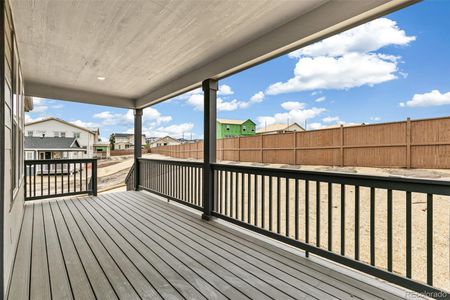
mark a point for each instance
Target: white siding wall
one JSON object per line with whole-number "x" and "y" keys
{"x": 13, "y": 199}
{"x": 86, "y": 139}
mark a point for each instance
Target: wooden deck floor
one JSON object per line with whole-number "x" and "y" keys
{"x": 129, "y": 245}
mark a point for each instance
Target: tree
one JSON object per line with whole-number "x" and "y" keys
{"x": 112, "y": 141}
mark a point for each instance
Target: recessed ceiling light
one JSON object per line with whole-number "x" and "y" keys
{"x": 101, "y": 78}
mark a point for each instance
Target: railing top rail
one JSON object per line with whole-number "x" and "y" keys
{"x": 50, "y": 161}
{"x": 174, "y": 162}
{"x": 438, "y": 187}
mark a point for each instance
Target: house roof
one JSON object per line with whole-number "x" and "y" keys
{"x": 33, "y": 142}
{"x": 149, "y": 51}
{"x": 277, "y": 127}
{"x": 93, "y": 131}
{"x": 233, "y": 122}
{"x": 165, "y": 139}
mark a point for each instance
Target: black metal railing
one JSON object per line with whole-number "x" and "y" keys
{"x": 363, "y": 222}
{"x": 60, "y": 177}
{"x": 180, "y": 181}
{"x": 130, "y": 179}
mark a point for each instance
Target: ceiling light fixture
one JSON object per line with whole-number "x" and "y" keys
{"x": 101, "y": 78}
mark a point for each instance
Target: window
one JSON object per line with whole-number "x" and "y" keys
{"x": 59, "y": 134}
{"x": 29, "y": 155}
{"x": 41, "y": 133}
{"x": 62, "y": 134}
{"x": 244, "y": 128}
{"x": 228, "y": 127}
{"x": 30, "y": 133}
{"x": 56, "y": 133}
{"x": 77, "y": 135}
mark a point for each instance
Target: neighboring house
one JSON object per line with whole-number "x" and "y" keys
{"x": 124, "y": 141}
{"x": 234, "y": 128}
{"x": 52, "y": 148}
{"x": 149, "y": 140}
{"x": 54, "y": 127}
{"x": 186, "y": 141}
{"x": 101, "y": 150}
{"x": 279, "y": 128}
{"x": 165, "y": 141}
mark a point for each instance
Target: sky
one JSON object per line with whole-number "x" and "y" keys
{"x": 386, "y": 70}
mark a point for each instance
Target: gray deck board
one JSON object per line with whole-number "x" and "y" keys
{"x": 40, "y": 278}
{"x": 60, "y": 285}
{"x": 20, "y": 279}
{"x": 130, "y": 245}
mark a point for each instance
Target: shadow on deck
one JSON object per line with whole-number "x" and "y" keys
{"x": 131, "y": 245}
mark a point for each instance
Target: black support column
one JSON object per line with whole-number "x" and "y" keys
{"x": 137, "y": 145}
{"x": 209, "y": 145}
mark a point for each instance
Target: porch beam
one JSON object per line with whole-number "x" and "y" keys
{"x": 137, "y": 145}
{"x": 210, "y": 87}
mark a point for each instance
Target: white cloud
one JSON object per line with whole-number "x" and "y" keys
{"x": 39, "y": 105}
{"x": 367, "y": 37}
{"x": 348, "y": 71}
{"x": 331, "y": 119}
{"x": 176, "y": 130}
{"x": 296, "y": 113}
{"x": 195, "y": 99}
{"x": 290, "y": 105}
{"x": 320, "y": 99}
{"x": 256, "y": 98}
{"x": 225, "y": 90}
{"x": 347, "y": 60}
{"x": 375, "y": 118}
{"x": 433, "y": 98}
{"x": 150, "y": 114}
{"x": 85, "y": 124}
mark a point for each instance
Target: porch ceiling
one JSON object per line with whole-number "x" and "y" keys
{"x": 152, "y": 50}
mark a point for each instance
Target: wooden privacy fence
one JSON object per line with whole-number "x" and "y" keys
{"x": 421, "y": 143}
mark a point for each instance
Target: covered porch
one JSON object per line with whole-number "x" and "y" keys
{"x": 238, "y": 233}
{"x": 134, "y": 245}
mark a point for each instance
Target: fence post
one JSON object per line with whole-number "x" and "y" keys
{"x": 210, "y": 87}
{"x": 342, "y": 145}
{"x": 261, "y": 148}
{"x": 239, "y": 148}
{"x": 408, "y": 143}
{"x": 295, "y": 148}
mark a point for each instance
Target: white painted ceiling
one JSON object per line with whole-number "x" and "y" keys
{"x": 151, "y": 50}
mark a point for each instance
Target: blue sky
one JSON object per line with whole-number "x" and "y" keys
{"x": 392, "y": 68}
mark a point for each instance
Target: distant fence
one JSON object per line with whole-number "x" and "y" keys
{"x": 126, "y": 152}
{"x": 407, "y": 144}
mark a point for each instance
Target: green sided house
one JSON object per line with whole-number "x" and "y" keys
{"x": 235, "y": 128}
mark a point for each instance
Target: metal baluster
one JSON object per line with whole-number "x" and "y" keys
{"x": 219, "y": 198}
{"x": 242, "y": 196}
{"x": 270, "y": 203}
{"x": 408, "y": 234}
{"x": 330, "y": 216}
{"x": 86, "y": 175}
{"x": 249, "y": 207}
{"x": 255, "y": 219}
{"x": 430, "y": 239}
{"x": 263, "y": 204}
{"x": 236, "y": 184}
{"x": 226, "y": 193}
{"x": 68, "y": 177}
{"x": 317, "y": 213}
{"x": 372, "y": 226}
{"x": 296, "y": 208}
{"x": 307, "y": 214}
{"x": 278, "y": 205}
{"x": 357, "y": 222}
{"x": 287, "y": 207}
{"x": 342, "y": 219}
{"x": 48, "y": 178}
{"x": 81, "y": 177}
{"x": 232, "y": 174}
{"x": 389, "y": 230}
